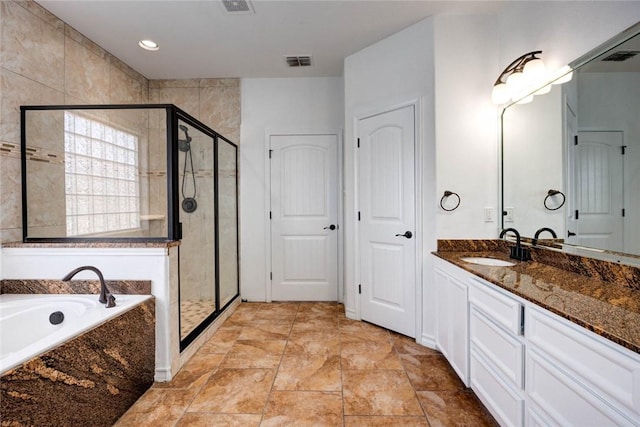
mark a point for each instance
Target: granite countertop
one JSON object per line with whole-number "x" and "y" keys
{"x": 609, "y": 309}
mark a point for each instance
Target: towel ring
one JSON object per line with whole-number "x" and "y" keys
{"x": 448, "y": 193}
{"x": 551, "y": 193}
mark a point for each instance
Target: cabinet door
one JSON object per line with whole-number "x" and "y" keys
{"x": 459, "y": 328}
{"x": 442, "y": 312}
{"x": 453, "y": 319}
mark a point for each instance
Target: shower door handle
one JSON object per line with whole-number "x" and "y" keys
{"x": 331, "y": 227}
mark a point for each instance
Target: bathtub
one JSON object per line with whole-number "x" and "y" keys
{"x": 26, "y": 329}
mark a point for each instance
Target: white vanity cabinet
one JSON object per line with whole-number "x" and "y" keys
{"x": 575, "y": 377}
{"x": 529, "y": 366}
{"x": 452, "y": 316}
{"x": 497, "y": 352}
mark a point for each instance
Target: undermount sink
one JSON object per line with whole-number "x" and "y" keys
{"x": 487, "y": 261}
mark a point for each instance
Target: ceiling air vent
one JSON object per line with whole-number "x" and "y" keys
{"x": 238, "y": 6}
{"x": 298, "y": 60}
{"x": 622, "y": 55}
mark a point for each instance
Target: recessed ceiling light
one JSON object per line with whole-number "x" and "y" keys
{"x": 148, "y": 45}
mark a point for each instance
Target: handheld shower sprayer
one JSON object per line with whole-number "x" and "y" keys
{"x": 189, "y": 203}
{"x": 184, "y": 145}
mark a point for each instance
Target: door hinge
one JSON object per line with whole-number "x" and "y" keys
{"x": 358, "y": 215}
{"x": 359, "y": 289}
{"x": 577, "y": 214}
{"x": 358, "y": 142}
{"x": 623, "y": 212}
{"x": 271, "y": 275}
{"x": 575, "y": 139}
{"x": 270, "y": 152}
{"x": 624, "y": 149}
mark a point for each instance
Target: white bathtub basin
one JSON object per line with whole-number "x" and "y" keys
{"x": 493, "y": 262}
{"x": 25, "y": 329}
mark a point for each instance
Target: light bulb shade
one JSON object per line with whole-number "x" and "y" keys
{"x": 515, "y": 82}
{"x": 535, "y": 70}
{"x": 500, "y": 94}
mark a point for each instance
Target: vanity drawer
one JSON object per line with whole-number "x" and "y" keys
{"x": 503, "y": 310}
{"x": 504, "y": 403}
{"x": 565, "y": 401}
{"x": 605, "y": 368}
{"x": 503, "y": 350}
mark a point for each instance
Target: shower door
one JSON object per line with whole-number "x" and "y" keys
{"x": 196, "y": 202}
{"x": 227, "y": 167}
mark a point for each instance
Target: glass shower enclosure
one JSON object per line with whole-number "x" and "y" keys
{"x": 137, "y": 173}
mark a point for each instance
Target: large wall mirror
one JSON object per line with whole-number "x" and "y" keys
{"x": 571, "y": 157}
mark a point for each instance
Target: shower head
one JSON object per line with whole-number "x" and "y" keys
{"x": 184, "y": 144}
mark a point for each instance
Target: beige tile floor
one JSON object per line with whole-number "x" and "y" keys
{"x": 305, "y": 364}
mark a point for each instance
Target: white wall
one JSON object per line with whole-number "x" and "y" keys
{"x": 393, "y": 71}
{"x": 466, "y": 124}
{"x": 271, "y": 106}
{"x": 534, "y": 158}
{"x": 563, "y": 30}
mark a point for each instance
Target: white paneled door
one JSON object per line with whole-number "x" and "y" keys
{"x": 304, "y": 217}
{"x": 387, "y": 220}
{"x": 599, "y": 190}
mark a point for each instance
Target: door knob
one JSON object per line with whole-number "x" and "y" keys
{"x": 570, "y": 234}
{"x": 406, "y": 234}
{"x": 331, "y": 227}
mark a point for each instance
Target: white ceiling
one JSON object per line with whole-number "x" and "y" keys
{"x": 199, "y": 39}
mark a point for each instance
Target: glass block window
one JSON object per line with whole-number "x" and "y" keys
{"x": 101, "y": 177}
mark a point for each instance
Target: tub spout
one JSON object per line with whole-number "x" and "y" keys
{"x": 105, "y": 295}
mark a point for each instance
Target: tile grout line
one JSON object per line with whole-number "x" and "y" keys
{"x": 266, "y": 403}
{"x": 415, "y": 392}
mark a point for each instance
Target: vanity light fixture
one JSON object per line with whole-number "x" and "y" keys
{"x": 521, "y": 75}
{"x": 148, "y": 45}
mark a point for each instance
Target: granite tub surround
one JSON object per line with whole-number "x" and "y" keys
{"x": 579, "y": 292}
{"x": 90, "y": 380}
{"x": 129, "y": 287}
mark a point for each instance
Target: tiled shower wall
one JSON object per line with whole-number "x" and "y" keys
{"x": 45, "y": 61}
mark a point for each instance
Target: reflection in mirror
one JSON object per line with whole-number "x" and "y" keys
{"x": 583, "y": 138}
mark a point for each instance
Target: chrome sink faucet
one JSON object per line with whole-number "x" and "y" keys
{"x": 540, "y": 230}
{"x": 517, "y": 251}
{"x": 105, "y": 295}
